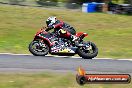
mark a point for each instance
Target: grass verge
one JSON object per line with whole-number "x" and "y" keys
{"x": 111, "y": 33}
{"x": 48, "y": 80}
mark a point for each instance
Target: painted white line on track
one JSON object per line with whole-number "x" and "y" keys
{"x": 125, "y": 59}
{"x": 16, "y": 54}
{"x": 64, "y": 56}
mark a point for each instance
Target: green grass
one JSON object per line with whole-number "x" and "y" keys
{"x": 48, "y": 80}
{"x": 111, "y": 33}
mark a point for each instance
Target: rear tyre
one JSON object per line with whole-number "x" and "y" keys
{"x": 38, "y": 48}
{"x": 88, "y": 52}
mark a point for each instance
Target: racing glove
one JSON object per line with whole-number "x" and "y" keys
{"x": 51, "y": 27}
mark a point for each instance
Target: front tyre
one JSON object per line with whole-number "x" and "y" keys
{"x": 88, "y": 52}
{"x": 38, "y": 48}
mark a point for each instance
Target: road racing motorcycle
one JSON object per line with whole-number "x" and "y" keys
{"x": 49, "y": 43}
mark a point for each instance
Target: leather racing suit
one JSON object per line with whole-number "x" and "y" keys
{"x": 63, "y": 29}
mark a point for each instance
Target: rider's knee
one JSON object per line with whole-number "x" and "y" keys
{"x": 61, "y": 31}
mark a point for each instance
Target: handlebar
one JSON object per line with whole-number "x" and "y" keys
{"x": 45, "y": 29}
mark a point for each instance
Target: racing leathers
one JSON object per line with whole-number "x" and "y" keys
{"x": 63, "y": 29}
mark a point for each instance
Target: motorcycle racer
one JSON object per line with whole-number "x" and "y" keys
{"x": 63, "y": 29}
{"x": 58, "y": 41}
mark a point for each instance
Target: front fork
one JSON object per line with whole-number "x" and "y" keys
{"x": 40, "y": 43}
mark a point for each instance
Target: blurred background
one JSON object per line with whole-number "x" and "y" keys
{"x": 109, "y": 6}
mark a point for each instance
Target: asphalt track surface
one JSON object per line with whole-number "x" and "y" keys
{"x": 21, "y": 63}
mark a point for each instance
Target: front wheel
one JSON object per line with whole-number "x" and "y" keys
{"x": 89, "y": 51}
{"x": 38, "y": 48}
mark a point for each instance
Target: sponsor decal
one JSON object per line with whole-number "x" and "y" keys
{"x": 64, "y": 51}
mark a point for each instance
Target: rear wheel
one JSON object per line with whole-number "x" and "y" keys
{"x": 88, "y": 52}
{"x": 38, "y": 48}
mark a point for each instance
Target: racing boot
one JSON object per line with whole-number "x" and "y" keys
{"x": 74, "y": 40}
